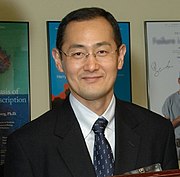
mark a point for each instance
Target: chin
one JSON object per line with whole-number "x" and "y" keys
{"x": 93, "y": 96}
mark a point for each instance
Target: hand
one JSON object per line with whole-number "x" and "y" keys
{"x": 176, "y": 122}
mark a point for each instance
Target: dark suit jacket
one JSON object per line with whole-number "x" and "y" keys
{"x": 53, "y": 144}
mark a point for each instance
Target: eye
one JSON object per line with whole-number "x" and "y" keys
{"x": 102, "y": 53}
{"x": 77, "y": 55}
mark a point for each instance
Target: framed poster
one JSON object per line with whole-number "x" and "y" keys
{"x": 163, "y": 61}
{"x": 163, "y": 67}
{"x": 14, "y": 79}
{"x": 58, "y": 82}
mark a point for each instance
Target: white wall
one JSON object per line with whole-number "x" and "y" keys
{"x": 37, "y": 12}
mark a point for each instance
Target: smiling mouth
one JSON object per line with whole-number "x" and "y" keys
{"x": 92, "y": 79}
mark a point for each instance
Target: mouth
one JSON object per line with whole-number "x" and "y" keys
{"x": 92, "y": 79}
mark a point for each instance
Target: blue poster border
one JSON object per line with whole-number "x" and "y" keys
{"x": 123, "y": 83}
{"x": 15, "y": 107}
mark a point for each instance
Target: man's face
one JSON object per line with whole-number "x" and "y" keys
{"x": 91, "y": 78}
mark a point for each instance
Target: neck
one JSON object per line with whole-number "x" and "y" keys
{"x": 98, "y": 106}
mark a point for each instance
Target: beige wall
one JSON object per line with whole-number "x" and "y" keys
{"x": 37, "y": 12}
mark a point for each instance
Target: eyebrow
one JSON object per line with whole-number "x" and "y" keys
{"x": 99, "y": 44}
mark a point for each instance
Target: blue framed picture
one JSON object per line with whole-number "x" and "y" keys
{"x": 14, "y": 79}
{"x": 58, "y": 82}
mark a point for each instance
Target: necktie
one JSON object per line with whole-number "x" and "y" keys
{"x": 103, "y": 156}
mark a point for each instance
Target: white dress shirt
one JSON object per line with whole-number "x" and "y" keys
{"x": 87, "y": 118}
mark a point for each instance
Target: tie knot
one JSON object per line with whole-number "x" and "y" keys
{"x": 100, "y": 125}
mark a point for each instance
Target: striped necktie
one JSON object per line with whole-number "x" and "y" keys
{"x": 103, "y": 156}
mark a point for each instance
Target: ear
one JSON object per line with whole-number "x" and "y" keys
{"x": 122, "y": 52}
{"x": 57, "y": 58}
{"x": 179, "y": 80}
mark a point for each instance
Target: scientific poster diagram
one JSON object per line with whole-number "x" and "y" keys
{"x": 14, "y": 80}
{"x": 58, "y": 82}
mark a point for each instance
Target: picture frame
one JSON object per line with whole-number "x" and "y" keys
{"x": 15, "y": 109}
{"x": 162, "y": 43}
{"x": 57, "y": 81}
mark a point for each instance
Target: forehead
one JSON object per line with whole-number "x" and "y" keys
{"x": 94, "y": 30}
{"x": 94, "y": 21}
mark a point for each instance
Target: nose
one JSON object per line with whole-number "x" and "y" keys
{"x": 91, "y": 64}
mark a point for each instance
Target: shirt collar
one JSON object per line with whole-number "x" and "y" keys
{"x": 86, "y": 117}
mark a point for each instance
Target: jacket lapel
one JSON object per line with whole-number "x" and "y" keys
{"x": 127, "y": 141}
{"x": 72, "y": 147}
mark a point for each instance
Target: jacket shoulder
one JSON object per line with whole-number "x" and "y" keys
{"x": 137, "y": 114}
{"x": 44, "y": 124}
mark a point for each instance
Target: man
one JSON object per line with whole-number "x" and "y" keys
{"x": 171, "y": 111}
{"x": 62, "y": 142}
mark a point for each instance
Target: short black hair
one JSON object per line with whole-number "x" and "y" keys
{"x": 87, "y": 14}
